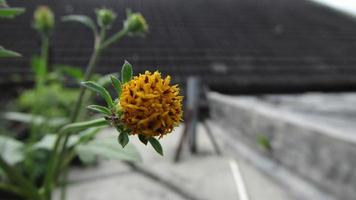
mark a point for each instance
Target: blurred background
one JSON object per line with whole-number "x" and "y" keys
{"x": 269, "y": 95}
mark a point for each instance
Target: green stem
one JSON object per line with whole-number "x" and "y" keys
{"x": 63, "y": 192}
{"x": 59, "y": 145}
{"x": 28, "y": 188}
{"x": 92, "y": 62}
{"x": 88, "y": 72}
{"x": 116, "y": 37}
{"x": 44, "y": 57}
{"x": 13, "y": 189}
{"x": 55, "y": 156}
{"x": 69, "y": 157}
{"x": 40, "y": 82}
{"x": 87, "y": 76}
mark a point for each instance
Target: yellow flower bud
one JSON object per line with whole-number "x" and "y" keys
{"x": 150, "y": 105}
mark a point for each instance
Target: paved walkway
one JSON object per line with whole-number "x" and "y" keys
{"x": 203, "y": 176}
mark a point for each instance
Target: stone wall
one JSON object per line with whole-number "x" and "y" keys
{"x": 321, "y": 154}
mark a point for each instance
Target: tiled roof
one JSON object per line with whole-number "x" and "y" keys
{"x": 234, "y": 45}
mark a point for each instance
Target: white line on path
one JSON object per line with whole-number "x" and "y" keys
{"x": 240, "y": 184}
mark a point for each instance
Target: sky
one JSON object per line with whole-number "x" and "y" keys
{"x": 348, "y": 6}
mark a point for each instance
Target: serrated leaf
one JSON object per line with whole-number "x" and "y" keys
{"x": 109, "y": 149}
{"x": 126, "y": 72}
{"x": 143, "y": 139}
{"x": 4, "y": 53}
{"x": 100, "y": 90}
{"x": 156, "y": 145}
{"x": 83, "y": 20}
{"x": 117, "y": 85}
{"x": 11, "y": 150}
{"x": 100, "y": 109}
{"x": 11, "y": 12}
{"x": 123, "y": 139}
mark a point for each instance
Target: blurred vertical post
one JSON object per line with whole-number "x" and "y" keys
{"x": 191, "y": 117}
{"x": 193, "y": 92}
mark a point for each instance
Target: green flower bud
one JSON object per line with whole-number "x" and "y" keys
{"x": 105, "y": 17}
{"x": 43, "y": 19}
{"x": 135, "y": 24}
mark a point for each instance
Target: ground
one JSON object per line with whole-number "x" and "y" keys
{"x": 202, "y": 176}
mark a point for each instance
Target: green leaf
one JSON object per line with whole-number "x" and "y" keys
{"x": 83, "y": 20}
{"x": 264, "y": 142}
{"x": 86, "y": 157}
{"x": 109, "y": 149}
{"x": 48, "y": 141}
{"x": 11, "y": 150}
{"x": 100, "y": 109}
{"x": 100, "y": 90}
{"x": 123, "y": 139}
{"x": 117, "y": 85}
{"x": 74, "y": 72}
{"x": 11, "y": 12}
{"x": 34, "y": 119}
{"x": 143, "y": 139}
{"x": 126, "y": 72}
{"x": 4, "y": 53}
{"x": 105, "y": 80}
{"x": 156, "y": 145}
{"x": 79, "y": 126}
{"x": 88, "y": 134}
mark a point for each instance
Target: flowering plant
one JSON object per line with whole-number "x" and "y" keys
{"x": 145, "y": 105}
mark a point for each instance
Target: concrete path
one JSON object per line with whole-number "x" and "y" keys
{"x": 203, "y": 176}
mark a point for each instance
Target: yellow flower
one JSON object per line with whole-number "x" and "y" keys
{"x": 151, "y": 107}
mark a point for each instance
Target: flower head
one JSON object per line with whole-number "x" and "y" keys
{"x": 43, "y": 19}
{"x": 150, "y": 105}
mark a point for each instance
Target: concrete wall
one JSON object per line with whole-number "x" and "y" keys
{"x": 321, "y": 154}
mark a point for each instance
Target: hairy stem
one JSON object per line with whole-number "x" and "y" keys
{"x": 52, "y": 171}
{"x": 62, "y": 140}
{"x": 116, "y": 37}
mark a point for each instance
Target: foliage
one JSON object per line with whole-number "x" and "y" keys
{"x": 264, "y": 142}
{"x": 55, "y": 100}
{"x": 11, "y": 150}
{"x": 31, "y": 167}
{"x": 8, "y": 53}
{"x": 9, "y": 13}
